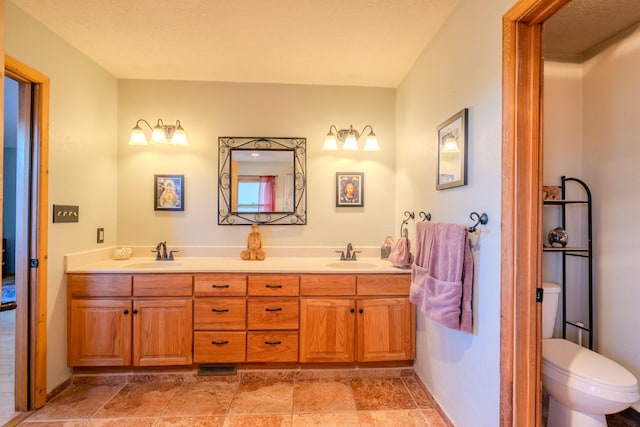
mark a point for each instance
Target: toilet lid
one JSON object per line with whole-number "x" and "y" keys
{"x": 588, "y": 365}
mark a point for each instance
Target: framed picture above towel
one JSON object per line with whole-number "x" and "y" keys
{"x": 452, "y": 152}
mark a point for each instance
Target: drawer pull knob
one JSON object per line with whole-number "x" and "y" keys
{"x": 219, "y": 286}
{"x": 225, "y": 342}
{"x": 273, "y": 342}
{"x": 220, "y": 310}
{"x": 273, "y": 286}
{"x": 273, "y": 309}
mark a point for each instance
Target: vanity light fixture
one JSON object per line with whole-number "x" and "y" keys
{"x": 349, "y": 138}
{"x": 160, "y": 134}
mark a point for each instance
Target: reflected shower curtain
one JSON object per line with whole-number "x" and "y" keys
{"x": 267, "y": 194}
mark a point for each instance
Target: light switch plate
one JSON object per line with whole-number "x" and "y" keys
{"x": 100, "y": 235}
{"x": 66, "y": 213}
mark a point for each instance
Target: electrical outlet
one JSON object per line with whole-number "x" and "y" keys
{"x": 100, "y": 235}
{"x": 66, "y": 213}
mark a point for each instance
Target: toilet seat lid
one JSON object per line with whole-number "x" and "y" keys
{"x": 588, "y": 365}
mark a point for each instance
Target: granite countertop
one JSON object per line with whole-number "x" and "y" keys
{"x": 202, "y": 263}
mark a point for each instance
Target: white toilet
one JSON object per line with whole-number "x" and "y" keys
{"x": 582, "y": 385}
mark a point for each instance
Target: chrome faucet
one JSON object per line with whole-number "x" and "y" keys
{"x": 351, "y": 254}
{"x": 161, "y": 252}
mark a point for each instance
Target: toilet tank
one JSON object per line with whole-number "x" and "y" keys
{"x": 550, "y": 298}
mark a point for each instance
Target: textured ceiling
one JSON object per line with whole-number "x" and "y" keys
{"x": 337, "y": 42}
{"x": 582, "y": 26}
{"x": 324, "y": 42}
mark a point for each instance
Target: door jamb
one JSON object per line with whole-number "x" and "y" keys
{"x": 520, "y": 336}
{"x": 31, "y": 344}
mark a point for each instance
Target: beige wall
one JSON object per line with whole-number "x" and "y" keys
{"x": 208, "y": 110}
{"x": 460, "y": 68}
{"x": 611, "y": 155}
{"x": 82, "y": 162}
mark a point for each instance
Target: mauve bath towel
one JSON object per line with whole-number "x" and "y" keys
{"x": 442, "y": 274}
{"x": 401, "y": 256}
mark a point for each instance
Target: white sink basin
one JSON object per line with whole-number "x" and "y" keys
{"x": 351, "y": 265}
{"x": 154, "y": 264}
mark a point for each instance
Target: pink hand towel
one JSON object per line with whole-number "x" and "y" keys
{"x": 442, "y": 275}
{"x": 401, "y": 256}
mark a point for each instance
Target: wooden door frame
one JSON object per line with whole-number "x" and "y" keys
{"x": 521, "y": 229}
{"x": 31, "y": 325}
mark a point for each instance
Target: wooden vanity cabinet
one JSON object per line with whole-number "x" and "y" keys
{"x": 219, "y": 321}
{"x": 386, "y": 318}
{"x": 272, "y": 318}
{"x": 163, "y": 319}
{"x": 123, "y": 320}
{"x": 364, "y": 318}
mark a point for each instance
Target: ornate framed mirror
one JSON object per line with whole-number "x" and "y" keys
{"x": 262, "y": 181}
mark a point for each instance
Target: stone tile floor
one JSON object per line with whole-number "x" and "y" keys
{"x": 231, "y": 402}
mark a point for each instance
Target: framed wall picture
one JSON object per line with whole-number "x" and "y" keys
{"x": 452, "y": 152}
{"x": 349, "y": 189}
{"x": 168, "y": 192}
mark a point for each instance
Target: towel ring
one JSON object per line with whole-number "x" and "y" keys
{"x": 403, "y": 229}
{"x": 479, "y": 218}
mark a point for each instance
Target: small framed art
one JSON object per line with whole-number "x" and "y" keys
{"x": 452, "y": 152}
{"x": 168, "y": 192}
{"x": 349, "y": 189}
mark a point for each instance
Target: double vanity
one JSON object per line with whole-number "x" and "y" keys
{"x": 282, "y": 311}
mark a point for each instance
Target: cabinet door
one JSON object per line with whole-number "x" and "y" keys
{"x": 386, "y": 329}
{"x": 327, "y": 330}
{"x": 99, "y": 332}
{"x": 162, "y": 332}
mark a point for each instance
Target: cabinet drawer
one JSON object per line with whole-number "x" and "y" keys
{"x": 226, "y": 285}
{"x": 384, "y": 284}
{"x": 272, "y": 346}
{"x": 272, "y": 313}
{"x": 328, "y": 285}
{"x": 219, "y": 347}
{"x": 99, "y": 285}
{"x": 273, "y": 285}
{"x": 220, "y": 313}
{"x": 162, "y": 285}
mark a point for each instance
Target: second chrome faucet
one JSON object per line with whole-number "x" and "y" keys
{"x": 161, "y": 252}
{"x": 350, "y": 255}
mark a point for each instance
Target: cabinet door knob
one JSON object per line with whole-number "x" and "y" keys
{"x": 135, "y": 311}
{"x": 361, "y": 311}
{"x": 273, "y": 342}
{"x": 271, "y": 310}
{"x": 126, "y": 311}
{"x": 219, "y": 286}
{"x": 220, "y": 310}
{"x": 225, "y": 342}
{"x": 352, "y": 310}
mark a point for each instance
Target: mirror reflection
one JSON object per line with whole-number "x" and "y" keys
{"x": 261, "y": 181}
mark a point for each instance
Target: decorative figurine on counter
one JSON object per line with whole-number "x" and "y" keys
{"x": 254, "y": 251}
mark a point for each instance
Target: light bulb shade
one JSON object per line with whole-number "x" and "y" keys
{"x": 351, "y": 142}
{"x": 179, "y": 136}
{"x": 450, "y": 145}
{"x": 330, "y": 142}
{"x": 372, "y": 143}
{"x": 138, "y": 137}
{"x": 158, "y": 135}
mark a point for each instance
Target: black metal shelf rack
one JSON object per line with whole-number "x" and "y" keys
{"x": 581, "y": 252}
